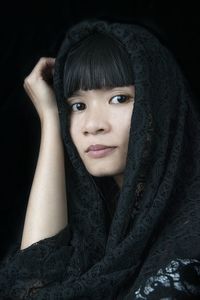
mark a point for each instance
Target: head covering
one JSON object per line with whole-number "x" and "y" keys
{"x": 156, "y": 222}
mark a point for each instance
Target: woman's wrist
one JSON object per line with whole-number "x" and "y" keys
{"x": 49, "y": 117}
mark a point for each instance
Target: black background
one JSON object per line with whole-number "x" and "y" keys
{"x": 29, "y": 30}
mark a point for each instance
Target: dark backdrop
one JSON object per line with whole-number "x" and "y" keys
{"x": 29, "y": 30}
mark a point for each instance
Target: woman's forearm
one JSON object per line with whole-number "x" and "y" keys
{"x": 46, "y": 212}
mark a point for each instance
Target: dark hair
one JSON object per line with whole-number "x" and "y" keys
{"x": 97, "y": 61}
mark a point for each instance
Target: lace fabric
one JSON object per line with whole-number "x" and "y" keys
{"x": 149, "y": 248}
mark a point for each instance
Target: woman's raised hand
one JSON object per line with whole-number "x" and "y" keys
{"x": 38, "y": 87}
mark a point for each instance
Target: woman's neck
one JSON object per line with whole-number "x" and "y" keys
{"x": 119, "y": 180}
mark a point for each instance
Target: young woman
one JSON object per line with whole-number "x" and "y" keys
{"x": 114, "y": 207}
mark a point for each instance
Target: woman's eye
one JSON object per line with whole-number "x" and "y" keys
{"x": 78, "y": 106}
{"x": 119, "y": 99}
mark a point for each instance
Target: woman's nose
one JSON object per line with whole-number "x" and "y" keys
{"x": 96, "y": 122}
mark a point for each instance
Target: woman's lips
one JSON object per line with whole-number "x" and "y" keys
{"x": 99, "y": 151}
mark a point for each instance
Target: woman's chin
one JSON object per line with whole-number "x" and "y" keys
{"x": 104, "y": 172}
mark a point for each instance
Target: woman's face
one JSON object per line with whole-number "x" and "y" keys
{"x": 99, "y": 126}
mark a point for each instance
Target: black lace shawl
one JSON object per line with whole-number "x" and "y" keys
{"x": 150, "y": 248}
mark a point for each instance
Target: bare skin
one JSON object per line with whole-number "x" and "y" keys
{"x": 46, "y": 213}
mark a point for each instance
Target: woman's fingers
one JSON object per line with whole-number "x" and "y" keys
{"x": 44, "y": 62}
{"x": 43, "y": 69}
{"x": 47, "y": 70}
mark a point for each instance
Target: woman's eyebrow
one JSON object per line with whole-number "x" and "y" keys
{"x": 75, "y": 94}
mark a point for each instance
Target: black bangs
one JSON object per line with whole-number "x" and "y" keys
{"x": 98, "y": 61}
